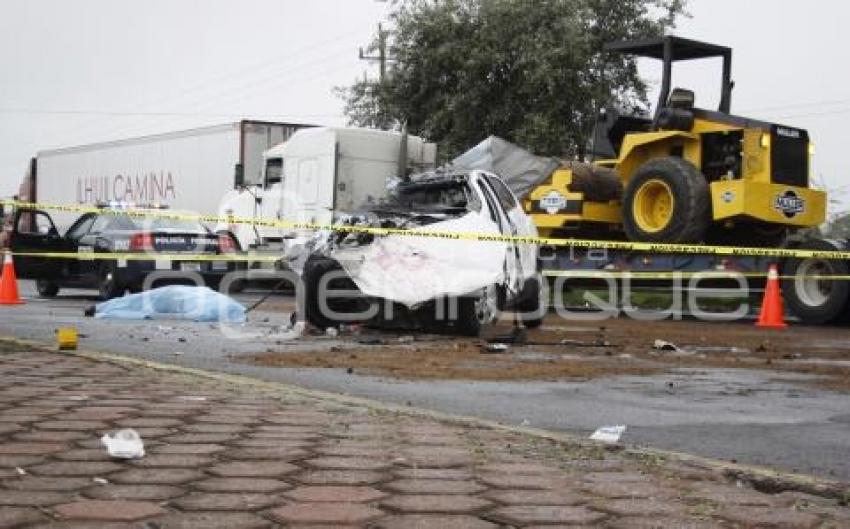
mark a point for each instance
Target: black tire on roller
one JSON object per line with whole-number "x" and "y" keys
{"x": 691, "y": 214}
{"x": 816, "y": 302}
{"x": 598, "y": 184}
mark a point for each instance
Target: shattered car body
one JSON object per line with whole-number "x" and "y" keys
{"x": 455, "y": 281}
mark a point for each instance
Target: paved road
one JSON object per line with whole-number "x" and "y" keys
{"x": 743, "y": 415}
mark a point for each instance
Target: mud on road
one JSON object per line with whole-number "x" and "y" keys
{"x": 580, "y": 350}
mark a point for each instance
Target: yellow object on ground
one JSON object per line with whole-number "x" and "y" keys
{"x": 66, "y": 337}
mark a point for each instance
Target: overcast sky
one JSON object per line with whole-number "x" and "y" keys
{"x": 81, "y": 71}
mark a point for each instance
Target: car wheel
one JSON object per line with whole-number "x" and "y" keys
{"x": 315, "y": 271}
{"x": 477, "y": 312}
{"x": 46, "y": 289}
{"x": 535, "y": 300}
{"x": 109, "y": 286}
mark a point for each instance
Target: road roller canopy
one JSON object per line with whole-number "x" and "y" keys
{"x": 670, "y": 49}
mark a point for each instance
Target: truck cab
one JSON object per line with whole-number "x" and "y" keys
{"x": 317, "y": 172}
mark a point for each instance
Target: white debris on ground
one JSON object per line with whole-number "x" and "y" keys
{"x": 661, "y": 345}
{"x": 608, "y": 434}
{"x": 124, "y": 444}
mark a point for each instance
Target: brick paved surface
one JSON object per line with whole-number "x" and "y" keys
{"x": 228, "y": 456}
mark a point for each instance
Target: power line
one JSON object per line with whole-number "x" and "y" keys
{"x": 140, "y": 114}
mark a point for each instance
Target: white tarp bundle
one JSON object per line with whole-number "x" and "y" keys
{"x": 176, "y": 302}
{"x": 521, "y": 170}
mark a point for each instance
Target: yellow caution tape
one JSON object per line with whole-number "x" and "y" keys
{"x": 125, "y": 256}
{"x": 712, "y": 274}
{"x": 590, "y": 244}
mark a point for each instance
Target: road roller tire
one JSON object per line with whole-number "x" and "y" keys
{"x": 667, "y": 201}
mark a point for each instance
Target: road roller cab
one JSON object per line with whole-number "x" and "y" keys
{"x": 691, "y": 175}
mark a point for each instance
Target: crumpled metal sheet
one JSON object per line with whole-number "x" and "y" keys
{"x": 521, "y": 170}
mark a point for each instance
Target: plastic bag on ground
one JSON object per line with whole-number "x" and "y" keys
{"x": 177, "y": 301}
{"x": 124, "y": 444}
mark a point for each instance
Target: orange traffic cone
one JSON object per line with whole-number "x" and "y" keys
{"x": 9, "y": 283}
{"x": 772, "y": 315}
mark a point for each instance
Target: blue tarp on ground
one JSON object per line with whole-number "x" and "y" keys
{"x": 176, "y": 302}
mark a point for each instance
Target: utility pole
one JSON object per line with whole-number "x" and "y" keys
{"x": 382, "y": 53}
{"x": 382, "y": 58}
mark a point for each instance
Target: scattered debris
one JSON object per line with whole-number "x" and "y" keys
{"x": 608, "y": 434}
{"x": 406, "y": 339}
{"x": 721, "y": 350}
{"x": 495, "y": 348}
{"x": 661, "y": 345}
{"x": 20, "y": 471}
{"x": 101, "y": 481}
{"x": 175, "y": 301}
{"x": 518, "y": 335}
{"x": 293, "y": 332}
{"x": 332, "y": 332}
{"x": 124, "y": 444}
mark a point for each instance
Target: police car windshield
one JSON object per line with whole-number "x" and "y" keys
{"x": 107, "y": 222}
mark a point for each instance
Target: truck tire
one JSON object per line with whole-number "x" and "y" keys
{"x": 813, "y": 301}
{"x": 667, "y": 200}
{"x": 109, "y": 285}
{"x": 46, "y": 289}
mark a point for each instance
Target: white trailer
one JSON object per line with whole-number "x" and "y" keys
{"x": 318, "y": 172}
{"x": 187, "y": 170}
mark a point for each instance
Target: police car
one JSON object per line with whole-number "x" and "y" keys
{"x": 114, "y": 229}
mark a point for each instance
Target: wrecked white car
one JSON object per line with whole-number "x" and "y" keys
{"x": 457, "y": 283}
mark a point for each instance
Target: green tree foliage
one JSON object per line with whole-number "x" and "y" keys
{"x": 532, "y": 72}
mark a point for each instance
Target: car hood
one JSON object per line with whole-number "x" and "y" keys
{"x": 412, "y": 270}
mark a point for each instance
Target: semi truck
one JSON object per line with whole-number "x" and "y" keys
{"x": 186, "y": 170}
{"x": 317, "y": 172}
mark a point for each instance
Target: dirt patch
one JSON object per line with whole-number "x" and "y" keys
{"x": 820, "y": 351}
{"x": 453, "y": 360}
{"x": 586, "y": 350}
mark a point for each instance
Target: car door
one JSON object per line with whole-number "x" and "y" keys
{"x": 512, "y": 265}
{"x": 74, "y": 238}
{"x": 33, "y": 232}
{"x": 522, "y": 224}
